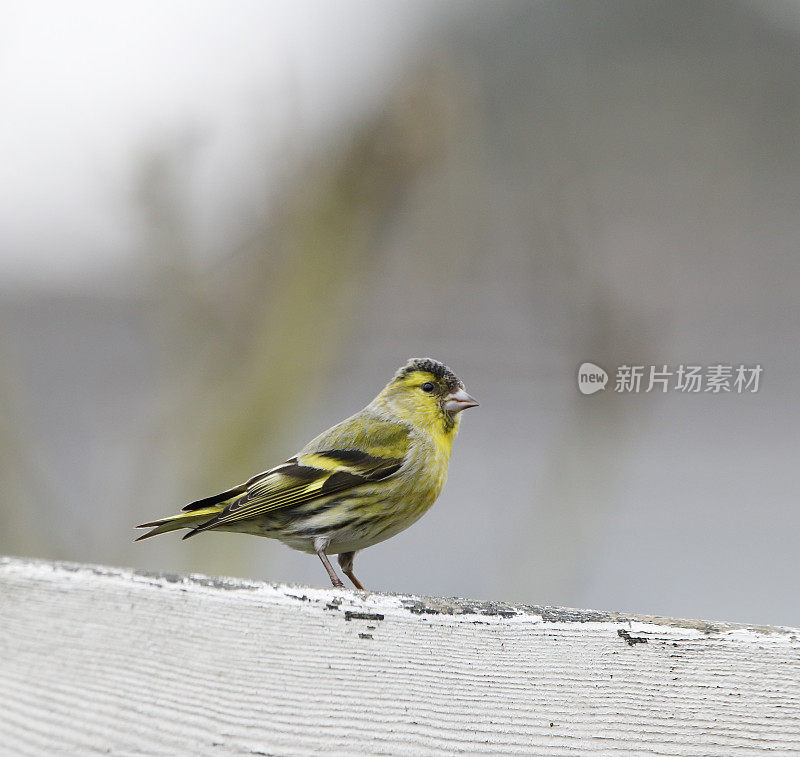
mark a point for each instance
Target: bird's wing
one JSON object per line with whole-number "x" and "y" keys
{"x": 357, "y": 451}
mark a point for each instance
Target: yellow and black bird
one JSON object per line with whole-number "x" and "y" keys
{"x": 356, "y": 484}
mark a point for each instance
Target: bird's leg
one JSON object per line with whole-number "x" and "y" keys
{"x": 346, "y": 564}
{"x": 335, "y": 580}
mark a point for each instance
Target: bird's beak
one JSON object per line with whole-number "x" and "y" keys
{"x": 455, "y": 402}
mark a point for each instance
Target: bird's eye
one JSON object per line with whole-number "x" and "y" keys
{"x": 427, "y": 387}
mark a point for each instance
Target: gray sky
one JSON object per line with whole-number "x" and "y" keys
{"x": 88, "y": 87}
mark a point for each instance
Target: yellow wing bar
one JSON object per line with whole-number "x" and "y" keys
{"x": 303, "y": 479}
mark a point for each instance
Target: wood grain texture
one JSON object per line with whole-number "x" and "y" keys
{"x": 97, "y": 660}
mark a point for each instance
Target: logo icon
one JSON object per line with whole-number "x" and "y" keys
{"x": 591, "y": 378}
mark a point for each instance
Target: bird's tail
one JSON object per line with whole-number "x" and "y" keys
{"x": 181, "y": 520}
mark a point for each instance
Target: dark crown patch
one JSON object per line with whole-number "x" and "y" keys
{"x": 438, "y": 370}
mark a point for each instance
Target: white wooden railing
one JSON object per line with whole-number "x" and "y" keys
{"x": 109, "y": 661}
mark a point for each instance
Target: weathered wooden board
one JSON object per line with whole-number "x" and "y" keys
{"x": 113, "y": 661}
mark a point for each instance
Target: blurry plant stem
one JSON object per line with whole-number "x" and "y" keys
{"x": 25, "y": 523}
{"x": 289, "y": 301}
{"x": 584, "y": 463}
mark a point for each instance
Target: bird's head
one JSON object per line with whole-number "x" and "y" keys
{"x": 426, "y": 393}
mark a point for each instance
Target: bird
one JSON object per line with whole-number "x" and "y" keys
{"x": 359, "y": 483}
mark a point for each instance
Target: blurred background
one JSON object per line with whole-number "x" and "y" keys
{"x": 224, "y": 225}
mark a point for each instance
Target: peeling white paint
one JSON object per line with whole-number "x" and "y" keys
{"x": 108, "y": 659}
